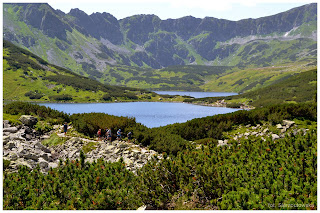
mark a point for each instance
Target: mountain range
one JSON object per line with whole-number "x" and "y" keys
{"x": 104, "y": 48}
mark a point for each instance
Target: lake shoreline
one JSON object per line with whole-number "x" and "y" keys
{"x": 150, "y": 114}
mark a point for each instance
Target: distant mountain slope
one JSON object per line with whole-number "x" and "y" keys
{"x": 27, "y": 77}
{"x": 89, "y": 44}
{"x": 296, "y": 88}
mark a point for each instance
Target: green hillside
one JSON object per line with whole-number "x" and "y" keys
{"x": 291, "y": 88}
{"x": 27, "y": 77}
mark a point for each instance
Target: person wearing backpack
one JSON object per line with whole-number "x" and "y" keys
{"x": 106, "y": 135}
{"x": 99, "y": 134}
{"x": 129, "y": 135}
{"x": 109, "y": 136}
{"x": 65, "y": 128}
{"x": 119, "y": 134}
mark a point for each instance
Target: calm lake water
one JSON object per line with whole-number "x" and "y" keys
{"x": 196, "y": 94}
{"x": 151, "y": 114}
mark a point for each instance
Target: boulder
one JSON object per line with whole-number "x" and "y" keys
{"x": 5, "y": 139}
{"x": 288, "y": 123}
{"x": 16, "y": 136}
{"x": 279, "y": 126}
{"x": 275, "y": 136}
{"x": 142, "y": 208}
{"x": 127, "y": 161}
{"x": 6, "y": 124}
{"x": 11, "y": 129}
{"x": 266, "y": 130}
{"x": 28, "y": 120}
{"x": 53, "y": 165}
{"x": 28, "y": 130}
{"x": 11, "y": 145}
{"x": 31, "y": 156}
{"x": 254, "y": 133}
{"x": 46, "y": 157}
{"x": 6, "y": 133}
{"x": 42, "y": 147}
{"x": 43, "y": 164}
{"x": 28, "y": 137}
{"x": 12, "y": 156}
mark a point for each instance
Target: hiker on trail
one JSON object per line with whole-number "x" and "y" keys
{"x": 109, "y": 135}
{"x": 99, "y": 134}
{"x": 106, "y": 135}
{"x": 119, "y": 134}
{"x": 65, "y": 128}
{"x": 129, "y": 135}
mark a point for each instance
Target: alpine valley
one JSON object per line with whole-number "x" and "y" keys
{"x": 263, "y": 157}
{"x": 146, "y": 52}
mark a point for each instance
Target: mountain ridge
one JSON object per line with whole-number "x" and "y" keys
{"x": 91, "y": 44}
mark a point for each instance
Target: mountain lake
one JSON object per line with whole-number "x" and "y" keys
{"x": 150, "y": 114}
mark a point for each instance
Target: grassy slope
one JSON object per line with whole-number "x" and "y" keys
{"x": 300, "y": 87}
{"x": 24, "y": 72}
{"x": 248, "y": 79}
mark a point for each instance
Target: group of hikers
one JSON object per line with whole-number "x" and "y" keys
{"x": 108, "y": 135}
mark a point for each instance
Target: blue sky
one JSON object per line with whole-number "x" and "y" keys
{"x": 225, "y": 9}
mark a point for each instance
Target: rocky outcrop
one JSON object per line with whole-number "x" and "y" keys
{"x": 28, "y": 120}
{"x": 263, "y": 131}
{"x": 22, "y": 148}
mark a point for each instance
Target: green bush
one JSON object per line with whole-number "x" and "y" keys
{"x": 61, "y": 97}
{"x": 24, "y": 108}
{"x": 207, "y": 141}
{"x": 234, "y": 105}
{"x": 6, "y": 164}
{"x": 106, "y": 97}
{"x": 34, "y": 95}
{"x": 90, "y": 123}
{"x": 43, "y": 127}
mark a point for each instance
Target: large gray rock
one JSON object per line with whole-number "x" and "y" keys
{"x": 6, "y": 124}
{"x": 288, "y": 123}
{"x": 43, "y": 164}
{"x": 279, "y": 126}
{"x": 10, "y": 129}
{"x": 28, "y": 120}
{"x": 11, "y": 145}
{"x": 5, "y": 139}
{"x": 16, "y": 136}
{"x": 12, "y": 156}
{"x": 42, "y": 147}
{"x": 275, "y": 136}
{"x": 31, "y": 156}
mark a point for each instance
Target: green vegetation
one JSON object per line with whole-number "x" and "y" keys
{"x": 254, "y": 175}
{"x": 74, "y": 185}
{"x": 29, "y": 78}
{"x": 53, "y": 140}
{"x": 215, "y": 126}
{"x": 297, "y": 88}
{"x": 44, "y": 113}
{"x": 251, "y": 174}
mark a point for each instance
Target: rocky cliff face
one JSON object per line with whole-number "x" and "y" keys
{"x": 146, "y": 40}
